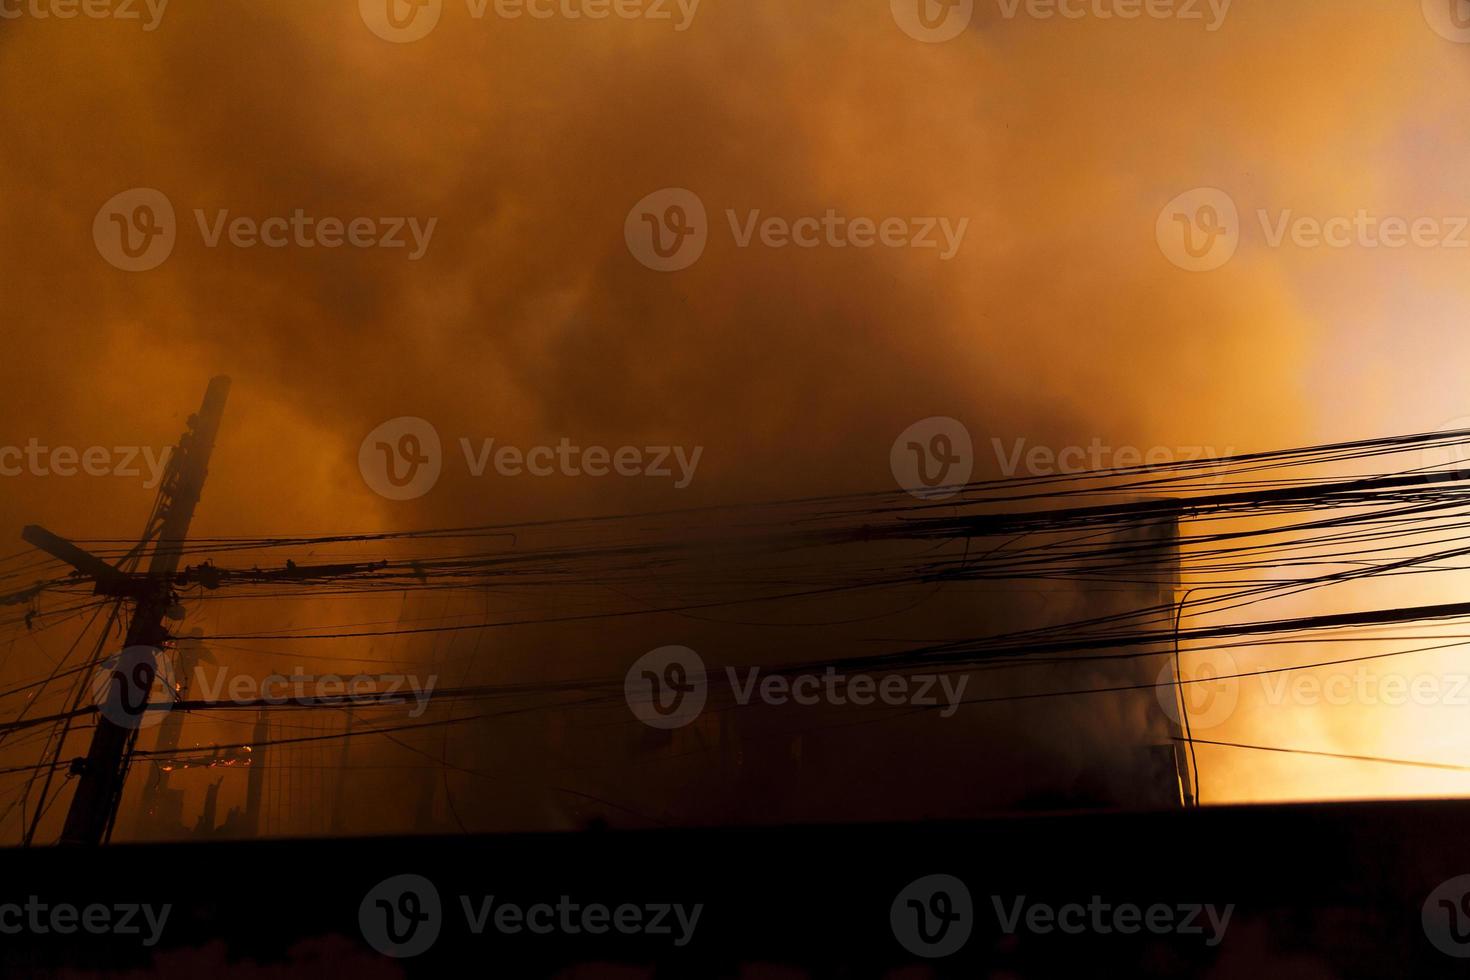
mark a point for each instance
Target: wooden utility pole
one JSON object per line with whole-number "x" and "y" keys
{"x": 160, "y": 814}
{"x": 339, "y": 801}
{"x": 104, "y": 770}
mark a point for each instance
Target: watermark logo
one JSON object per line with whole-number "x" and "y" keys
{"x": 679, "y": 12}
{"x": 570, "y": 918}
{"x": 934, "y": 458}
{"x": 1363, "y": 229}
{"x": 943, "y": 691}
{"x": 1104, "y": 918}
{"x": 677, "y": 463}
{"x": 933, "y": 916}
{"x": 1199, "y": 230}
{"x": 1450, "y": 19}
{"x": 1021, "y": 458}
{"x": 1181, "y": 10}
{"x": 668, "y": 230}
{"x": 124, "y": 685}
{"x": 1210, "y": 692}
{"x": 933, "y": 21}
{"x": 667, "y": 688}
{"x": 135, "y": 231}
{"x": 308, "y": 690}
{"x": 1213, "y": 686}
{"x": 1446, "y": 917}
{"x": 401, "y": 916}
{"x": 401, "y": 459}
{"x": 90, "y": 9}
{"x": 307, "y": 231}
{"x": 401, "y": 21}
{"x": 404, "y": 21}
{"x": 64, "y": 919}
{"x": 834, "y": 230}
{"x": 40, "y": 460}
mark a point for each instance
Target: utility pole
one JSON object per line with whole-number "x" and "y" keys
{"x": 339, "y": 801}
{"x": 161, "y": 813}
{"x": 102, "y": 773}
{"x": 255, "y": 785}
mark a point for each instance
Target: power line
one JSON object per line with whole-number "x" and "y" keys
{"x": 1416, "y": 763}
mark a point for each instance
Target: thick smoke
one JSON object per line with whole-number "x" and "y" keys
{"x": 1058, "y": 322}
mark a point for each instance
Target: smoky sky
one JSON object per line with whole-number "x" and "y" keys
{"x": 527, "y": 320}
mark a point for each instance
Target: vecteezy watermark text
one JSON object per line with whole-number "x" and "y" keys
{"x": 568, "y": 459}
{"x": 571, "y": 918}
{"x": 834, "y": 230}
{"x": 403, "y": 916}
{"x": 933, "y": 459}
{"x": 668, "y": 230}
{"x": 302, "y": 230}
{"x": 1211, "y": 12}
{"x": 1201, "y": 230}
{"x": 679, "y": 12}
{"x": 403, "y": 458}
{"x": 301, "y": 688}
{"x": 129, "y": 462}
{"x": 64, "y": 919}
{"x": 937, "y": 21}
{"x": 934, "y": 916}
{"x": 148, "y": 12}
{"x": 1035, "y": 460}
{"x": 860, "y": 690}
{"x": 136, "y": 687}
{"x": 405, "y": 21}
{"x": 1214, "y": 685}
{"x": 1016, "y": 914}
{"x": 136, "y": 231}
{"x": 668, "y": 688}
